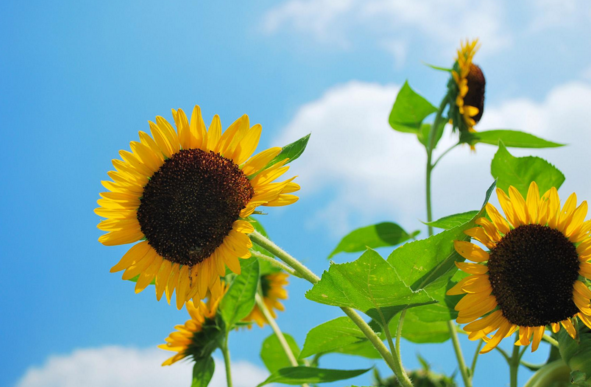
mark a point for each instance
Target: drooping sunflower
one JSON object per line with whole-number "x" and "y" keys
{"x": 470, "y": 85}
{"x": 535, "y": 273}
{"x": 272, "y": 287}
{"x": 198, "y": 337}
{"x": 185, "y": 194}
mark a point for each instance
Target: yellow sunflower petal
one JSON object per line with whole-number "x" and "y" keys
{"x": 472, "y": 268}
{"x": 199, "y": 135}
{"x": 507, "y": 207}
{"x": 499, "y": 222}
{"x": 471, "y": 251}
{"x": 570, "y": 329}
{"x": 519, "y": 205}
{"x": 532, "y": 202}
{"x": 148, "y": 275}
{"x": 259, "y": 161}
{"x": 538, "y": 334}
{"x": 214, "y": 134}
{"x": 133, "y": 255}
{"x": 479, "y": 234}
{"x": 496, "y": 339}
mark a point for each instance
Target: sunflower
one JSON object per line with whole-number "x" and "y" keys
{"x": 185, "y": 194}
{"x": 273, "y": 291}
{"x": 469, "y": 85}
{"x": 197, "y": 338}
{"x": 534, "y": 274}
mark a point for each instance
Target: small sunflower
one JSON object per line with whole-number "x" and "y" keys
{"x": 272, "y": 287}
{"x": 185, "y": 194}
{"x": 534, "y": 274}
{"x": 470, "y": 84}
{"x": 197, "y": 338}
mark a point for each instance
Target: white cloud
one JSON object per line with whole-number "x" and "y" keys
{"x": 559, "y": 13}
{"x": 375, "y": 173}
{"x": 116, "y": 366}
{"x": 445, "y": 21}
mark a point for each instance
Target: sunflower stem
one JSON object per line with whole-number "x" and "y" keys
{"x": 430, "y": 165}
{"x": 393, "y": 360}
{"x": 514, "y": 363}
{"x": 227, "y": 363}
{"x": 475, "y": 358}
{"x": 550, "y": 340}
{"x": 275, "y": 263}
{"x": 459, "y": 356}
{"x": 288, "y": 352}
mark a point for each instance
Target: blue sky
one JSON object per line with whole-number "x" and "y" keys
{"x": 78, "y": 80}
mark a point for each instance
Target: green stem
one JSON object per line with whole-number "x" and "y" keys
{"x": 430, "y": 165}
{"x": 443, "y": 154}
{"x": 475, "y": 358}
{"x": 393, "y": 361}
{"x": 550, "y": 340}
{"x": 226, "y": 353}
{"x": 275, "y": 263}
{"x": 288, "y": 352}
{"x": 459, "y": 355}
{"x": 514, "y": 364}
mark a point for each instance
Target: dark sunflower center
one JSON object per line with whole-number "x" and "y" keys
{"x": 189, "y": 205}
{"x": 475, "y": 95}
{"x": 532, "y": 271}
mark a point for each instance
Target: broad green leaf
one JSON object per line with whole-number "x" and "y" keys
{"x": 239, "y": 300}
{"x": 451, "y": 221}
{"x": 429, "y": 263}
{"x": 203, "y": 372}
{"x": 340, "y": 335}
{"x": 409, "y": 110}
{"x": 423, "y": 134}
{"x": 299, "y": 375}
{"x": 368, "y": 284}
{"x": 418, "y": 331}
{"x": 576, "y": 353}
{"x": 510, "y": 138}
{"x": 521, "y": 171}
{"x": 291, "y": 151}
{"x": 274, "y": 356}
{"x": 374, "y": 236}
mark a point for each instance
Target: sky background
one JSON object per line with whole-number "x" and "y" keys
{"x": 78, "y": 80}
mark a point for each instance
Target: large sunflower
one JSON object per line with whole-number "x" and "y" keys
{"x": 186, "y": 194}
{"x": 197, "y": 338}
{"x": 470, "y": 84}
{"x": 534, "y": 274}
{"x": 272, "y": 287}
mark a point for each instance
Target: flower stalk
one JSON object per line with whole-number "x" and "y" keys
{"x": 430, "y": 166}
{"x": 227, "y": 362}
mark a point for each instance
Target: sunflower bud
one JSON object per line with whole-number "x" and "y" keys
{"x": 475, "y": 95}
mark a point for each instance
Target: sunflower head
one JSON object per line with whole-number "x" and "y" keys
{"x": 273, "y": 290}
{"x": 535, "y": 273}
{"x": 185, "y": 194}
{"x": 468, "y": 88}
{"x": 200, "y": 335}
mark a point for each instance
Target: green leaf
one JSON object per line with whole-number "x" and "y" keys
{"x": 291, "y": 151}
{"x": 418, "y": 331}
{"x": 374, "y": 236}
{"x": 576, "y": 353}
{"x": 423, "y": 134}
{"x": 239, "y": 300}
{"x": 521, "y": 171}
{"x": 511, "y": 139}
{"x": 299, "y": 375}
{"x": 368, "y": 284}
{"x": 438, "y": 68}
{"x": 429, "y": 263}
{"x": 409, "y": 110}
{"x": 203, "y": 372}
{"x": 340, "y": 335}
{"x": 274, "y": 356}
{"x": 451, "y": 221}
